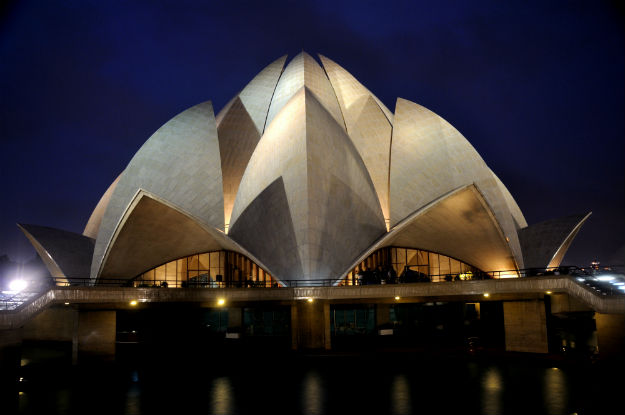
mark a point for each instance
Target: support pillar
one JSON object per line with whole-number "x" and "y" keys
{"x": 10, "y": 355}
{"x": 310, "y": 325}
{"x": 382, "y": 314}
{"x": 95, "y": 336}
{"x": 525, "y": 326}
{"x": 610, "y": 335}
{"x": 235, "y": 317}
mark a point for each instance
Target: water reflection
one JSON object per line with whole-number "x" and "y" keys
{"x": 554, "y": 391}
{"x": 401, "y": 403}
{"x": 133, "y": 395}
{"x": 221, "y": 397}
{"x": 492, "y": 386}
{"x": 312, "y": 394}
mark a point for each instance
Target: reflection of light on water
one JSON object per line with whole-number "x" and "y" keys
{"x": 221, "y": 398}
{"x": 491, "y": 391}
{"x": 133, "y": 395}
{"x": 554, "y": 391}
{"x": 400, "y": 396}
{"x": 312, "y": 395}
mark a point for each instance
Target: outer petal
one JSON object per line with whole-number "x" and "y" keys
{"x": 180, "y": 163}
{"x": 152, "y": 232}
{"x": 544, "y": 244}
{"x": 66, "y": 254}
{"x": 429, "y": 158}
{"x": 93, "y": 224}
{"x": 459, "y": 224}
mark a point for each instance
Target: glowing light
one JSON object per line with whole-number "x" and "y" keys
{"x": 310, "y": 300}
{"x": 486, "y": 295}
{"x": 17, "y": 285}
{"x": 66, "y": 303}
{"x": 605, "y": 278}
{"x": 580, "y": 279}
{"x": 133, "y": 302}
{"x": 397, "y": 297}
{"x": 221, "y": 301}
{"x": 547, "y": 292}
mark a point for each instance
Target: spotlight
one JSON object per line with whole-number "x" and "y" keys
{"x": 397, "y": 297}
{"x": 17, "y": 285}
{"x": 133, "y": 302}
{"x": 310, "y": 300}
{"x": 221, "y": 301}
{"x": 486, "y": 295}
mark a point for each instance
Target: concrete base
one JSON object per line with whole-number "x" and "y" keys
{"x": 525, "y": 326}
{"x": 564, "y": 303}
{"x": 382, "y": 314}
{"x": 310, "y": 325}
{"x": 610, "y": 335}
{"x": 235, "y": 317}
{"x": 53, "y": 324}
{"x": 96, "y": 334}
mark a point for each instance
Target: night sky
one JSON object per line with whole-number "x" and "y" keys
{"x": 537, "y": 87}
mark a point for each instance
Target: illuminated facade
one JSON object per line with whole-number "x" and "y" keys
{"x": 303, "y": 176}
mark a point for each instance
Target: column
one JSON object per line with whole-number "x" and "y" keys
{"x": 525, "y": 326}
{"x": 610, "y": 335}
{"x": 96, "y": 334}
{"x": 310, "y": 325}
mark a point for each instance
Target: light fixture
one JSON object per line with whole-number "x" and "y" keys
{"x": 221, "y": 301}
{"x": 397, "y": 297}
{"x": 133, "y": 302}
{"x": 17, "y": 285}
{"x": 310, "y": 300}
{"x": 66, "y": 303}
{"x": 548, "y": 292}
{"x": 486, "y": 295}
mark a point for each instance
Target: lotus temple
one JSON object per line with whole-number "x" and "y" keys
{"x": 306, "y": 196}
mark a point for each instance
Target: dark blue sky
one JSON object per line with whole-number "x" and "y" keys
{"x": 537, "y": 87}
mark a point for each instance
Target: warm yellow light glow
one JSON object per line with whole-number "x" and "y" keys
{"x": 486, "y": 295}
{"x": 66, "y": 303}
{"x": 133, "y": 302}
{"x": 547, "y": 292}
{"x": 310, "y": 300}
{"x": 397, "y": 297}
{"x": 221, "y": 301}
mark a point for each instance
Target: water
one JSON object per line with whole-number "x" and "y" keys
{"x": 372, "y": 383}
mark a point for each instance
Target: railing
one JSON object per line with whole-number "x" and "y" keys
{"x": 607, "y": 281}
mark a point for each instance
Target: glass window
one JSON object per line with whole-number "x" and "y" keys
{"x": 181, "y": 268}
{"x": 214, "y": 259}
{"x": 455, "y": 266}
{"x": 422, "y": 257}
{"x": 434, "y": 264}
{"x": 160, "y": 273}
{"x": 193, "y": 262}
{"x": 444, "y": 265}
{"x": 203, "y": 261}
{"x": 170, "y": 273}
